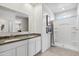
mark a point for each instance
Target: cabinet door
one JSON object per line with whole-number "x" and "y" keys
{"x": 22, "y": 50}
{"x": 8, "y": 53}
{"x": 38, "y": 44}
{"x": 31, "y": 47}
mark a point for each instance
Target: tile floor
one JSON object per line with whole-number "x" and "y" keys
{"x": 57, "y": 51}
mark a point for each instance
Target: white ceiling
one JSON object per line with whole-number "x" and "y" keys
{"x": 59, "y": 7}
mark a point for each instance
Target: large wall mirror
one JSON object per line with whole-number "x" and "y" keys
{"x": 12, "y": 21}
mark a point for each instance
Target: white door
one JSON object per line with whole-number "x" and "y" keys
{"x": 8, "y": 53}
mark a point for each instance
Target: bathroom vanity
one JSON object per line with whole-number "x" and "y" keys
{"x": 20, "y": 44}
{"x": 14, "y": 37}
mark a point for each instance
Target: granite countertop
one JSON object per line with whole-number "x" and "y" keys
{"x": 15, "y": 38}
{"x": 8, "y": 34}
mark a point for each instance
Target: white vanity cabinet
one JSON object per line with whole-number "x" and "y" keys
{"x": 28, "y": 47}
{"x": 14, "y": 49}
